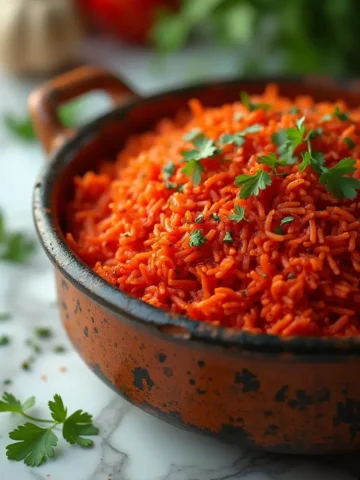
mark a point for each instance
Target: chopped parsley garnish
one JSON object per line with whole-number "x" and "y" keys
{"x": 228, "y": 238}
{"x": 252, "y": 184}
{"x": 215, "y": 217}
{"x": 4, "y": 340}
{"x": 197, "y": 238}
{"x": 339, "y": 185}
{"x": 246, "y": 101}
{"x": 168, "y": 170}
{"x": 349, "y": 142}
{"x": 59, "y": 349}
{"x": 33, "y": 444}
{"x": 5, "y": 316}
{"x": 15, "y": 247}
{"x": 239, "y": 137}
{"x": 279, "y": 230}
{"x": 286, "y": 220}
{"x": 205, "y": 148}
{"x": 291, "y": 276}
{"x": 238, "y": 215}
{"x": 43, "y": 333}
{"x": 337, "y": 113}
{"x": 171, "y": 185}
{"x": 199, "y": 218}
{"x": 7, "y": 381}
{"x": 244, "y": 293}
{"x": 34, "y": 346}
{"x": 180, "y": 188}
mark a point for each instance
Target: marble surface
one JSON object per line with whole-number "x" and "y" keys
{"x": 132, "y": 445}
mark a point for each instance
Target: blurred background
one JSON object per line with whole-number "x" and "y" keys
{"x": 212, "y": 37}
{"x": 157, "y": 44}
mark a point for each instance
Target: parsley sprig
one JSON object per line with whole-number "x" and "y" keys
{"x": 33, "y": 444}
{"x": 252, "y": 184}
{"x": 238, "y": 215}
{"x": 204, "y": 148}
{"x": 335, "y": 181}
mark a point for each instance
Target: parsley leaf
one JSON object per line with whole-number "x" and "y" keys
{"x": 79, "y": 423}
{"x": 246, "y": 101}
{"x": 286, "y": 220}
{"x": 194, "y": 133}
{"x": 278, "y": 231}
{"x": 34, "y": 444}
{"x": 205, "y": 148}
{"x": 271, "y": 160}
{"x": 279, "y": 137}
{"x": 295, "y": 135}
{"x": 9, "y": 403}
{"x": 168, "y": 170}
{"x": 57, "y": 409}
{"x": 314, "y": 159}
{"x": 288, "y": 139}
{"x": 239, "y": 214}
{"x": 171, "y": 185}
{"x": 335, "y": 182}
{"x": 252, "y": 184}
{"x": 239, "y": 137}
{"x": 228, "y": 238}
{"x": 196, "y": 238}
{"x": 194, "y": 169}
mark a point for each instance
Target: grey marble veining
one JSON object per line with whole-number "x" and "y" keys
{"x": 131, "y": 445}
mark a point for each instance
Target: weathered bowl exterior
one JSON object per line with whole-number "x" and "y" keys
{"x": 295, "y": 395}
{"x": 275, "y": 401}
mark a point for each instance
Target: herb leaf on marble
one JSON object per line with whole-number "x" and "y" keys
{"x": 34, "y": 444}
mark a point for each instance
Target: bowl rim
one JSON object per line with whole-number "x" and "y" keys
{"x": 119, "y": 302}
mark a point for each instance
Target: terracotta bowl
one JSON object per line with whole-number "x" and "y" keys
{"x": 296, "y": 395}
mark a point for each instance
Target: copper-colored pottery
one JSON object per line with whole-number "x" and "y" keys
{"x": 298, "y": 395}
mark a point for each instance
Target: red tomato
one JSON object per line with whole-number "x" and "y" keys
{"x": 131, "y": 20}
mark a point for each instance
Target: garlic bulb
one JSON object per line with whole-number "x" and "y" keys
{"x": 38, "y": 36}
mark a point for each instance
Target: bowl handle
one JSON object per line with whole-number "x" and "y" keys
{"x": 45, "y": 101}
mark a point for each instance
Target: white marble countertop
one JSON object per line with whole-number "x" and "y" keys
{"x": 132, "y": 445}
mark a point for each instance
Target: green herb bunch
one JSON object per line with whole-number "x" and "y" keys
{"x": 296, "y": 33}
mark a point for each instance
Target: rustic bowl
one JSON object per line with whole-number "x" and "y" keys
{"x": 296, "y": 395}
